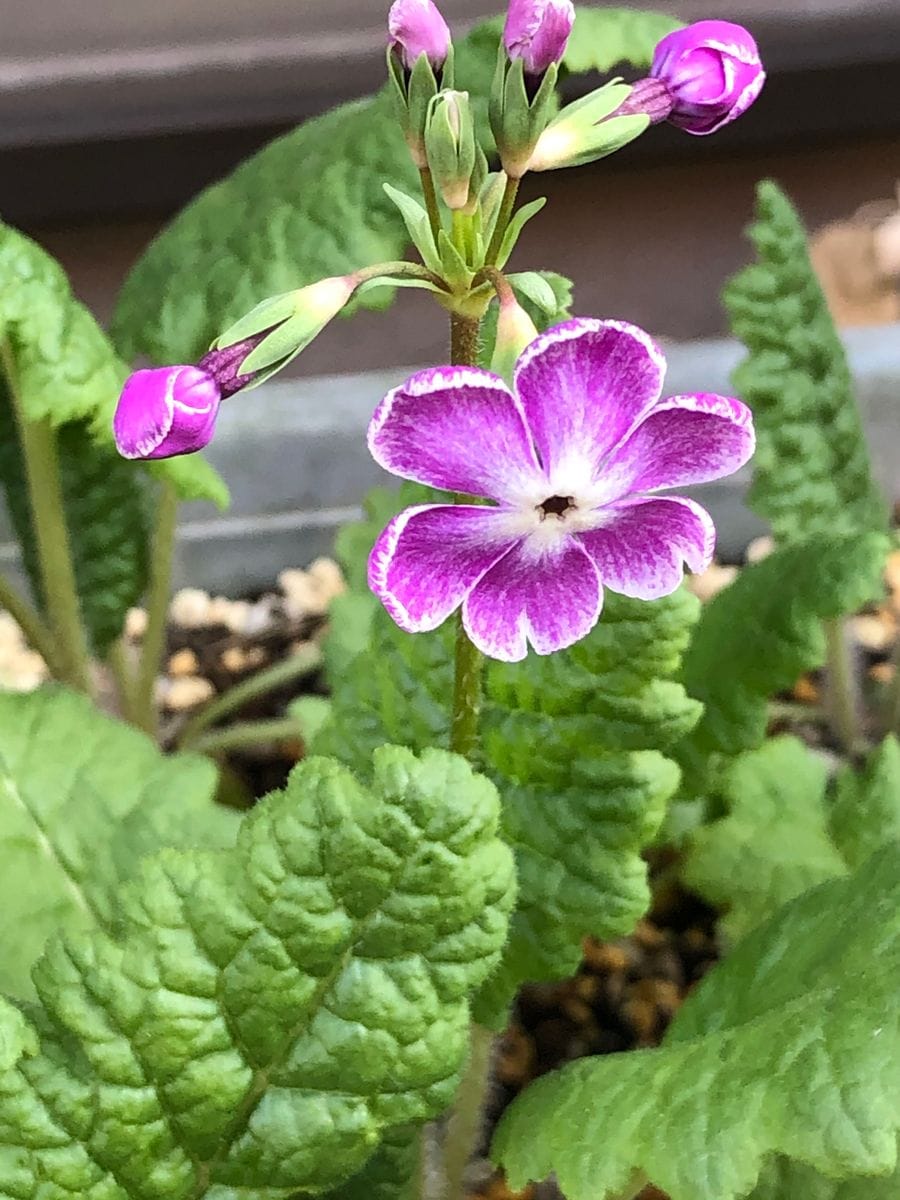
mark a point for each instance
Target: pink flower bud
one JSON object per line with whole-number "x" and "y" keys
{"x": 416, "y": 27}
{"x": 165, "y": 412}
{"x": 713, "y": 72}
{"x": 537, "y": 32}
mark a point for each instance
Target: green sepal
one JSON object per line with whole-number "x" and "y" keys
{"x": 454, "y": 267}
{"x": 411, "y": 94}
{"x": 585, "y": 131}
{"x": 513, "y": 231}
{"x": 415, "y": 218}
{"x": 517, "y": 120}
{"x": 266, "y": 314}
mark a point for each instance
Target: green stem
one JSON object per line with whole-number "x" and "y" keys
{"x": 37, "y": 633}
{"x": 296, "y": 667}
{"x": 117, "y": 660}
{"x": 431, "y": 202}
{"x": 466, "y": 1121}
{"x": 400, "y": 269}
{"x": 51, "y": 535}
{"x": 248, "y": 733}
{"x": 842, "y": 690}
{"x": 507, "y": 205}
{"x": 162, "y": 550}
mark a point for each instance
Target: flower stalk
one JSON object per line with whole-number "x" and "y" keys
{"x": 163, "y": 549}
{"x": 59, "y": 586}
{"x": 507, "y": 207}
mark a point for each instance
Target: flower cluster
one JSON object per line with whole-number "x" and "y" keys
{"x": 571, "y": 461}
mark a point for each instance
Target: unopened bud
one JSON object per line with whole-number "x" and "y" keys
{"x": 450, "y": 146}
{"x": 537, "y": 32}
{"x": 416, "y": 27}
{"x": 712, "y": 71}
{"x": 515, "y": 331}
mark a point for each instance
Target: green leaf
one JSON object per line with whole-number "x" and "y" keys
{"x": 576, "y": 743}
{"x": 812, "y": 473}
{"x": 519, "y": 220}
{"x": 391, "y": 1173}
{"x": 788, "y": 1047}
{"x": 866, "y": 809}
{"x": 16, "y": 1036}
{"x": 783, "y": 1179}
{"x": 757, "y": 636}
{"x": 604, "y": 37}
{"x": 775, "y": 841}
{"x": 418, "y": 226}
{"x": 573, "y": 742}
{"x": 266, "y": 1013}
{"x": 309, "y": 205}
{"x": 82, "y": 797}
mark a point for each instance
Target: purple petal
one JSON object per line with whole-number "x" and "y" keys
{"x": 166, "y": 412}
{"x": 416, "y": 27}
{"x": 456, "y": 428}
{"x": 550, "y": 597}
{"x": 429, "y": 557}
{"x": 641, "y": 549}
{"x": 683, "y": 440}
{"x": 583, "y": 385}
{"x": 713, "y": 72}
{"x": 537, "y": 31}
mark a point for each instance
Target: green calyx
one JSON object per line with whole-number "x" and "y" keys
{"x": 588, "y": 130}
{"x": 517, "y": 119}
{"x": 412, "y": 92}
{"x": 450, "y": 146}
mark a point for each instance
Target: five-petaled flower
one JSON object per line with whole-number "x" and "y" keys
{"x": 712, "y": 73}
{"x": 571, "y": 460}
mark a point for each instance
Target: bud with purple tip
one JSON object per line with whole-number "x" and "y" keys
{"x": 706, "y": 74}
{"x": 537, "y": 32}
{"x": 165, "y": 412}
{"x": 416, "y": 27}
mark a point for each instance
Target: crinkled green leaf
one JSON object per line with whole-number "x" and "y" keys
{"x": 866, "y": 808}
{"x": 82, "y": 797}
{"x": 16, "y": 1036}
{"x": 811, "y": 472}
{"x": 782, "y": 834}
{"x": 392, "y": 1173}
{"x": 783, "y": 1179}
{"x": 757, "y": 636}
{"x": 264, "y": 1014}
{"x": 789, "y": 1046}
{"x": 605, "y": 37}
{"x": 775, "y": 841}
{"x": 574, "y": 742}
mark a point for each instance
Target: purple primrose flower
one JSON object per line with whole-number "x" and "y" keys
{"x": 416, "y": 27}
{"x": 571, "y": 459}
{"x": 166, "y": 411}
{"x": 712, "y": 71}
{"x": 537, "y": 32}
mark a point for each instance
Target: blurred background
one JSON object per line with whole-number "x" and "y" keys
{"x": 113, "y": 115}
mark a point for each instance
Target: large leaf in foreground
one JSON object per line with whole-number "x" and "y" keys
{"x": 265, "y": 1014}
{"x": 790, "y": 1046}
{"x": 811, "y": 472}
{"x": 82, "y": 797}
